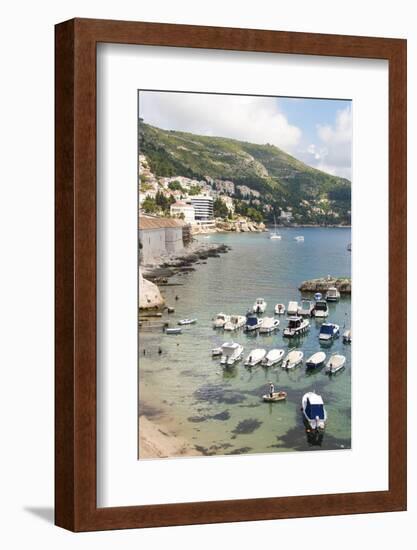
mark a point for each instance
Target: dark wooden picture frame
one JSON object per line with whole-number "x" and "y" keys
{"x": 75, "y": 340}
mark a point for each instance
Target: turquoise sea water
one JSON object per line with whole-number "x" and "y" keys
{"x": 220, "y": 410}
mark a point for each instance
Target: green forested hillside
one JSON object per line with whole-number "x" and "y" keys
{"x": 282, "y": 179}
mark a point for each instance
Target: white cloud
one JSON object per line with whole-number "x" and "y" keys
{"x": 246, "y": 118}
{"x": 333, "y": 154}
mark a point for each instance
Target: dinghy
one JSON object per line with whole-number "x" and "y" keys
{"x": 255, "y": 357}
{"x": 276, "y": 396}
{"x": 279, "y": 309}
{"x": 187, "y": 321}
{"x": 216, "y": 352}
{"x": 273, "y": 357}
{"x": 313, "y": 410}
{"x": 318, "y": 296}
{"x": 231, "y": 353}
{"x": 316, "y": 360}
{"x": 293, "y": 359}
{"x": 173, "y": 331}
{"x": 299, "y": 238}
{"x": 335, "y": 363}
{"x": 269, "y": 325}
{"x": 347, "y": 337}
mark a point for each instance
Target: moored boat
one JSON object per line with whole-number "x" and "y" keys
{"x": 253, "y": 322}
{"x": 279, "y": 309}
{"x": 173, "y": 330}
{"x": 321, "y": 309}
{"x": 314, "y": 411}
{"x": 216, "y": 352}
{"x": 347, "y": 336}
{"x": 306, "y": 308}
{"x": 269, "y": 325}
{"x": 255, "y": 357}
{"x": 220, "y": 320}
{"x": 273, "y": 357}
{"x": 335, "y": 363}
{"x": 318, "y": 296}
{"x": 299, "y": 238}
{"x": 235, "y": 322}
{"x": 293, "y": 359}
{"x": 316, "y": 360}
{"x": 328, "y": 332}
{"x": 297, "y": 326}
{"x": 231, "y": 353}
{"x": 187, "y": 321}
{"x": 259, "y": 306}
{"x": 332, "y": 294}
{"x": 292, "y": 308}
{"x": 276, "y": 396}
{"x": 275, "y": 235}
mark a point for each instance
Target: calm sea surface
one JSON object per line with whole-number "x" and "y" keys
{"x": 220, "y": 410}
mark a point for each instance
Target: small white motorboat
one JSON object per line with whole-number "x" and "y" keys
{"x": 328, "y": 332}
{"x": 187, "y": 321}
{"x": 273, "y": 357}
{"x": 279, "y": 309}
{"x": 314, "y": 411}
{"x": 269, "y": 325}
{"x": 297, "y": 326}
{"x": 255, "y": 357}
{"x": 259, "y": 306}
{"x": 299, "y": 238}
{"x": 332, "y": 294}
{"x": 306, "y": 308}
{"x": 292, "y": 308}
{"x": 235, "y": 322}
{"x": 321, "y": 309}
{"x": 216, "y": 352}
{"x": 173, "y": 330}
{"x": 318, "y": 296}
{"x": 335, "y": 363}
{"x": 293, "y": 359}
{"x": 276, "y": 396}
{"x": 347, "y": 337}
{"x": 231, "y": 353}
{"x": 253, "y": 322}
{"x": 220, "y": 320}
{"x": 316, "y": 360}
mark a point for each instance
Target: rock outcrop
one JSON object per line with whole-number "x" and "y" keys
{"x": 149, "y": 294}
{"x": 343, "y": 284}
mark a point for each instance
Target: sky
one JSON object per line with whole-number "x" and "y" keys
{"x": 316, "y": 131}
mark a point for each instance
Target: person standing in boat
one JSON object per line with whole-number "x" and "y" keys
{"x": 271, "y": 390}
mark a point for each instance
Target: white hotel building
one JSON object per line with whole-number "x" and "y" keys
{"x": 203, "y": 207}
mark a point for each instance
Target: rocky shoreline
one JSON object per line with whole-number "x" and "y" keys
{"x": 158, "y": 273}
{"x": 343, "y": 284}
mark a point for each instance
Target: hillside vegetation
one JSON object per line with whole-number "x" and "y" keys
{"x": 282, "y": 180}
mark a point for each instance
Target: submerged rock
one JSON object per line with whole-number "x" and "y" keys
{"x": 247, "y": 426}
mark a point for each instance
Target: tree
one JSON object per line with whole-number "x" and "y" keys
{"x": 149, "y": 205}
{"x": 194, "y": 190}
{"x": 220, "y": 209}
{"x": 255, "y": 215}
{"x": 175, "y": 186}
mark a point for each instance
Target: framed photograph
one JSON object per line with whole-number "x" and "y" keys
{"x": 230, "y": 275}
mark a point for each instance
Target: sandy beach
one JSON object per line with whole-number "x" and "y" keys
{"x": 156, "y": 442}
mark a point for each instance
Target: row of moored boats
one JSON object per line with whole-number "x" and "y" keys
{"x": 232, "y": 352}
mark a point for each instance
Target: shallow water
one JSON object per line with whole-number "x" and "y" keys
{"x": 221, "y": 410}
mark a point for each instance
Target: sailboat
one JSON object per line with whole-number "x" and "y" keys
{"x": 275, "y": 235}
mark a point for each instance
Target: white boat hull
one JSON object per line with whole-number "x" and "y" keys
{"x": 293, "y": 359}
